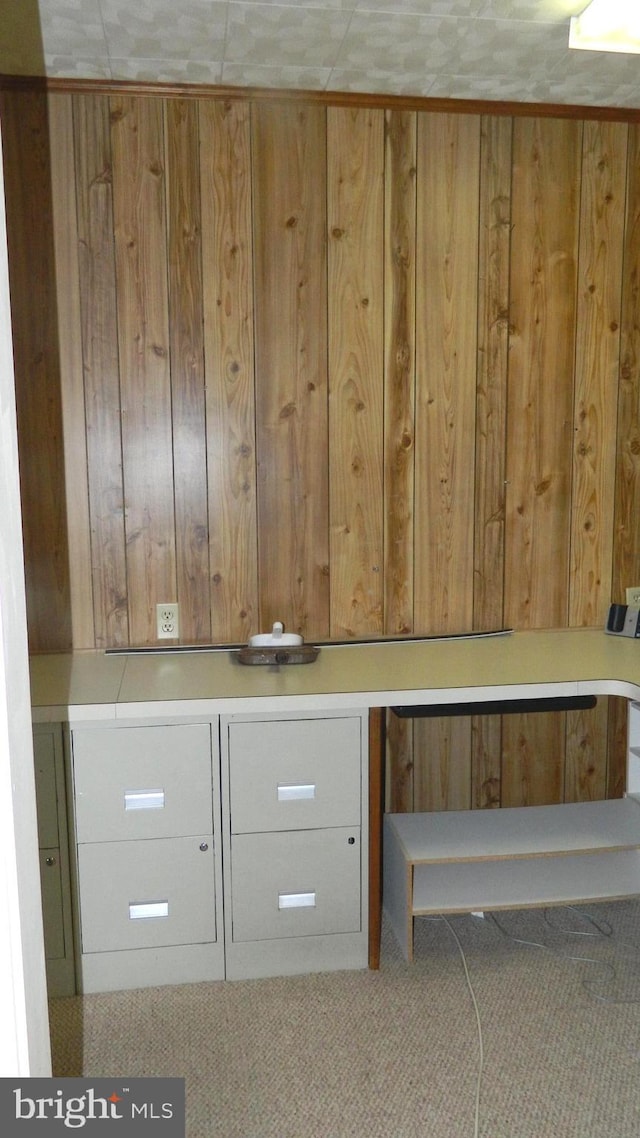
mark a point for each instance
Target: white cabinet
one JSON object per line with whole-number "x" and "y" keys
{"x": 53, "y": 846}
{"x": 295, "y": 806}
{"x": 148, "y": 868}
{"x": 187, "y": 868}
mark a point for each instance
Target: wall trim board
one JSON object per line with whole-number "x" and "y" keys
{"x": 326, "y": 98}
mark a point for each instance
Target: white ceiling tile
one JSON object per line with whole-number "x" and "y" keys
{"x": 78, "y": 67}
{"x": 338, "y": 5}
{"x": 579, "y": 92}
{"x": 73, "y": 28}
{"x": 447, "y": 46}
{"x": 599, "y": 68}
{"x": 296, "y": 78}
{"x": 167, "y": 71}
{"x": 544, "y": 11}
{"x": 164, "y": 29}
{"x": 461, "y": 8}
{"x": 270, "y": 34}
{"x": 497, "y": 88}
{"x": 417, "y": 83}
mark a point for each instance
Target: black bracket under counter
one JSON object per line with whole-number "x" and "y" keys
{"x": 497, "y": 707}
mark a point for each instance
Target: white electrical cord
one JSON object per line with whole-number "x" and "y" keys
{"x": 601, "y": 930}
{"x": 476, "y": 1128}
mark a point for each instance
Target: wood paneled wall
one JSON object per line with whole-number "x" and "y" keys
{"x": 365, "y": 371}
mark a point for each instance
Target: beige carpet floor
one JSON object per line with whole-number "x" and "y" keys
{"x": 395, "y": 1053}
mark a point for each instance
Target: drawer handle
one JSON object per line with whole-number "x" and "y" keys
{"x": 296, "y": 900}
{"x": 143, "y": 799}
{"x": 303, "y": 790}
{"x": 142, "y": 910}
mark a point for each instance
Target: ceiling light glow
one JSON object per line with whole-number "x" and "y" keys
{"x": 607, "y": 25}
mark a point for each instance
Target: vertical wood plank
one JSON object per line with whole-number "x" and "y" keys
{"x": 493, "y": 352}
{"x": 533, "y": 749}
{"x": 225, "y": 173}
{"x": 289, "y": 171}
{"x": 585, "y": 762}
{"x": 442, "y": 775}
{"x": 626, "y": 551}
{"x": 617, "y": 747}
{"x": 546, "y": 172}
{"x": 96, "y": 259}
{"x": 491, "y": 405}
{"x": 446, "y": 360}
{"x": 65, "y": 238}
{"x": 143, "y": 330}
{"x": 399, "y": 417}
{"x": 626, "y": 531}
{"x": 486, "y": 763}
{"x": 602, "y": 207}
{"x": 544, "y": 253}
{"x": 399, "y": 389}
{"x": 355, "y": 188}
{"x": 27, "y": 175}
{"x": 186, "y": 339}
{"x": 400, "y": 764}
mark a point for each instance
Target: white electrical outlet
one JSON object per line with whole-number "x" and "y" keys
{"x": 168, "y": 622}
{"x": 633, "y": 596}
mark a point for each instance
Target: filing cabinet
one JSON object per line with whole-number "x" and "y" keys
{"x": 228, "y": 848}
{"x": 147, "y": 870}
{"x": 53, "y": 844}
{"x": 293, "y": 838}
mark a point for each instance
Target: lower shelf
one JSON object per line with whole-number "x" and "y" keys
{"x": 508, "y": 859}
{"x": 522, "y": 882}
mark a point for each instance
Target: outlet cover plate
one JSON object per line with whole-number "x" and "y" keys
{"x": 633, "y": 596}
{"x": 168, "y": 621}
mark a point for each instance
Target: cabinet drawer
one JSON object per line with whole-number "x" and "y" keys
{"x": 142, "y": 782}
{"x": 146, "y": 894}
{"x": 294, "y": 774}
{"x": 295, "y": 884}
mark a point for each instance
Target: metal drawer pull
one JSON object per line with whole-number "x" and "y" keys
{"x": 141, "y": 910}
{"x": 296, "y": 900}
{"x": 143, "y": 799}
{"x": 288, "y": 793}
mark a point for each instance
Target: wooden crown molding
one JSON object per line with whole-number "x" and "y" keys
{"x": 325, "y": 98}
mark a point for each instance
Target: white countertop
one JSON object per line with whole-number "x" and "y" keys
{"x": 81, "y": 686}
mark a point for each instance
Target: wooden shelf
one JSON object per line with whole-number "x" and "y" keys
{"x": 532, "y": 831}
{"x": 524, "y": 883}
{"x": 464, "y": 861}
